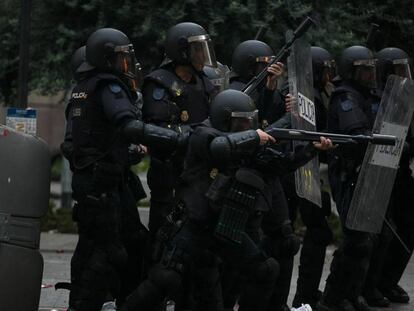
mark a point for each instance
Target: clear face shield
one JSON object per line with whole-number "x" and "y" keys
{"x": 365, "y": 73}
{"x": 401, "y": 67}
{"x": 126, "y": 63}
{"x": 243, "y": 121}
{"x": 202, "y": 52}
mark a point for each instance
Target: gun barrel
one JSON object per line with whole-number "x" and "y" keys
{"x": 293, "y": 134}
{"x": 303, "y": 27}
{"x": 384, "y": 140}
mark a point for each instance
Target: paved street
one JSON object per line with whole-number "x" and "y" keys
{"x": 57, "y": 250}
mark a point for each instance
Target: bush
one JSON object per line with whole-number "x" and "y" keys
{"x": 58, "y": 219}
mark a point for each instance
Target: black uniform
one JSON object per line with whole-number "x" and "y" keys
{"x": 209, "y": 170}
{"x": 402, "y": 214}
{"x": 280, "y": 242}
{"x": 104, "y": 124}
{"x": 170, "y": 102}
{"x": 388, "y": 249}
{"x": 318, "y": 234}
{"x": 350, "y": 112}
{"x": 100, "y": 163}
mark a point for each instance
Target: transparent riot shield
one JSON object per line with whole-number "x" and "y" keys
{"x": 24, "y": 198}
{"x": 303, "y": 116}
{"x": 377, "y": 175}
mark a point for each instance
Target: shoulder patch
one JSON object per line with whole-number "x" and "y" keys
{"x": 375, "y": 107}
{"x": 115, "y": 88}
{"x": 347, "y": 105}
{"x": 158, "y": 93}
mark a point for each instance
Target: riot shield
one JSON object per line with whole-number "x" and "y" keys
{"x": 24, "y": 198}
{"x": 376, "y": 178}
{"x": 303, "y": 116}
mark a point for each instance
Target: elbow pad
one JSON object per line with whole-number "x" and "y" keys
{"x": 224, "y": 148}
{"x": 152, "y": 136}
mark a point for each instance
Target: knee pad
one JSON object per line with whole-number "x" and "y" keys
{"x": 266, "y": 271}
{"x": 283, "y": 243}
{"x": 165, "y": 279}
{"x": 286, "y": 246}
{"x": 358, "y": 247}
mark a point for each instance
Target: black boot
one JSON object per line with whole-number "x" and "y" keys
{"x": 343, "y": 305}
{"x": 312, "y": 300}
{"x": 361, "y": 304}
{"x": 375, "y": 298}
{"x": 396, "y": 294}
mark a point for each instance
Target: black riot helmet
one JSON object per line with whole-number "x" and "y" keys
{"x": 393, "y": 61}
{"x": 323, "y": 67}
{"x": 110, "y": 50}
{"x": 358, "y": 65}
{"x": 218, "y": 76}
{"x": 233, "y": 111}
{"x": 189, "y": 44}
{"x": 78, "y": 58}
{"x": 250, "y": 57}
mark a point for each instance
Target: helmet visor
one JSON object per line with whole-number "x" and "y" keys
{"x": 261, "y": 63}
{"x": 365, "y": 73}
{"x": 127, "y": 65}
{"x": 242, "y": 121}
{"x": 202, "y": 52}
{"x": 125, "y": 61}
{"x": 402, "y": 68}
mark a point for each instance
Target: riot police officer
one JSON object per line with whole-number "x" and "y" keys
{"x": 249, "y": 59}
{"x": 177, "y": 95}
{"x": 318, "y": 234}
{"x": 104, "y": 123}
{"x": 350, "y": 112}
{"x": 394, "y": 259}
{"x": 220, "y": 197}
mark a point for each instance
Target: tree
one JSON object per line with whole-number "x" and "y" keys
{"x": 59, "y": 27}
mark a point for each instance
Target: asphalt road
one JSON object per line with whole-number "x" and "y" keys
{"x": 57, "y": 250}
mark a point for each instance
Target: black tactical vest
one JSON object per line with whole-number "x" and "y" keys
{"x": 346, "y": 91}
{"x": 94, "y": 137}
{"x": 189, "y": 102}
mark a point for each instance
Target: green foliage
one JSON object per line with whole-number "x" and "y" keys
{"x": 56, "y": 169}
{"x": 59, "y": 27}
{"x": 141, "y": 167}
{"x": 59, "y": 219}
{"x": 334, "y": 224}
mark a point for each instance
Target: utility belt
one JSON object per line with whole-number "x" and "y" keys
{"x": 97, "y": 178}
{"x": 236, "y": 198}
